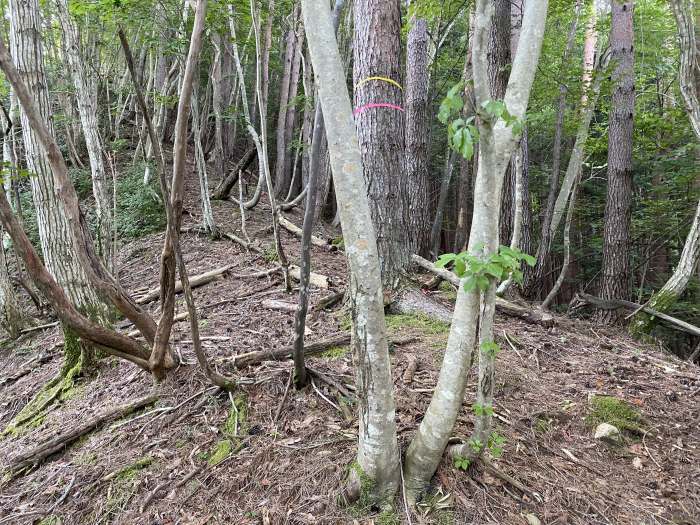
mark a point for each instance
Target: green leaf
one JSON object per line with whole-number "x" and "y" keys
{"x": 494, "y": 269}
{"x": 470, "y": 284}
{"x": 445, "y": 259}
{"x": 482, "y": 282}
{"x": 460, "y": 267}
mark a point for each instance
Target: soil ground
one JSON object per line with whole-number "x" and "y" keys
{"x": 289, "y": 469}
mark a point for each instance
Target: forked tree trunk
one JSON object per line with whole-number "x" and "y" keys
{"x": 378, "y": 455}
{"x": 208, "y": 222}
{"x": 86, "y": 98}
{"x": 689, "y": 77}
{"x": 615, "y": 274}
{"x": 380, "y": 130}
{"x": 474, "y": 310}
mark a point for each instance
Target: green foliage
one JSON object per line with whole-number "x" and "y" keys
{"x": 495, "y": 444}
{"x": 481, "y": 271}
{"x": 461, "y": 463}
{"x": 617, "y": 412}
{"x": 220, "y": 452}
{"x": 82, "y": 181}
{"x": 490, "y": 348}
{"x": 140, "y": 209}
{"x": 482, "y": 410}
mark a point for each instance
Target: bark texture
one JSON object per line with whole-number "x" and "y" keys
{"x": 378, "y": 454}
{"x": 615, "y": 278}
{"x": 417, "y": 136}
{"x": 380, "y": 130}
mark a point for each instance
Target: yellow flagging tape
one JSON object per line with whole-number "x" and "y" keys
{"x": 383, "y": 79}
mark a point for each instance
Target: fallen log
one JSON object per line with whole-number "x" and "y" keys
{"x": 195, "y": 281}
{"x": 615, "y": 304}
{"x": 62, "y": 439}
{"x": 530, "y": 315}
{"x": 315, "y": 279}
{"x": 223, "y": 190}
{"x": 294, "y": 229}
{"x": 317, "y": 347}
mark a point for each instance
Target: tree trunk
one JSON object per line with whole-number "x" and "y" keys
{"x": 615, "y": 275}
{"x": 442, "y": 201}
{"x": 54, "y": 231}
{"x": 417, "y": 136}
{"x": 283, "y": 112}
{"x": 380, "y": 130}
{"x": 378, "y": 455}
{"x": 474, "y": 310}
{"x": 86, "y": 97}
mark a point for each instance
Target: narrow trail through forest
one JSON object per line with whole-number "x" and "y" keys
{"x": 271, "y": 454}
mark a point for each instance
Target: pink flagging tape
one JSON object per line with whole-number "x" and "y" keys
{"x": 359, "y": 110}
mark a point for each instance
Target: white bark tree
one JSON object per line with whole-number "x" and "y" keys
{"x": 54, "y": 230}
{"x": 377, "y": 455}
{"x": 474, "y": 310}
{"x": 86, "y": 98}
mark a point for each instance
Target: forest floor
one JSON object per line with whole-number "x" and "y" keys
{"x": 211, "y": 461}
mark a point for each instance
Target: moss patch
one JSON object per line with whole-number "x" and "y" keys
{"x": 425, "y": 324}
{"x": 58, "y": 389}
{"x": 235, "y": 426}
{"x": 617, "y": 412}
{"x": 336, "y": 352}
{"x": 123, "y": 487}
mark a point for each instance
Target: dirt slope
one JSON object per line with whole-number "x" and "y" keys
{"x": 160, "y": 468}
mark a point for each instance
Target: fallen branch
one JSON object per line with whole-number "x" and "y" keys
{"x": 318, "y": 347}
{"x": 195, "y": 281}
{"x": 614, "y": 304}
{"x": 40, "y": 327}
{"x": 61, "y": 440}
{"x": 294, "y": 229}
{"x": 508, "y": 308}
{"x": 34, "y": 362}
{"x": 316, "y": 279}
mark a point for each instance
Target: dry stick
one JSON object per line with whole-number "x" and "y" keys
{"x": 317, "y": 347}
{"x": 242, "y": 208}
{"x": 284, "y": 397}
{"x": 40, "y": 327}
{"x": 57, "y": 443}
{"x": 512, "y": 481}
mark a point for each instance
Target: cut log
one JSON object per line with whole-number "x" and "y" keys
{"x": 273, "y": 304}
{"x": 59, "y": 441}
{"x": 614, "y": 304}
{"x": 294, "y": 229}
{"x": 530, "y": 315}
{"x": 317, "y": 347}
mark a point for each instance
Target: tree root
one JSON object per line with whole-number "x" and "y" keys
{"x": 56, "y": 390}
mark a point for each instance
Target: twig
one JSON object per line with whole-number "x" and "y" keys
{"x": 331, "y": 403}
{"x": 284, "y": 397}
{"x": 515, "y": 349}
{"x": 647, "y": 449}
{"x": 510, "y": 480}
{"x": 63, "y": 496}
{"x": 405, "y": 499}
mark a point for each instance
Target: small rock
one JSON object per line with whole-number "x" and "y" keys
{"x": 607, "y": 432}
{"x": 637, "y": 463}
{"x": 532, "y": 519}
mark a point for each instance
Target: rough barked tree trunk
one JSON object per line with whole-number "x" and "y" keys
{"x": 474, "y": 310}
{"x": 54, "y": 231}
{"x": 420, "y": 209}
{"x": 689, "y": 77}
{"x": 615, "y": 274}
{"x": 86, "y": 98}
{"x": 378, "y": 455}
{"x": 380, "y": 129}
